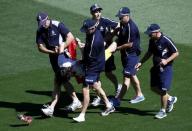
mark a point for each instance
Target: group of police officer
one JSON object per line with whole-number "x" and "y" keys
{"x": 54, "y": 38}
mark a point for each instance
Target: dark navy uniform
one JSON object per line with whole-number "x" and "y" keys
{"x": 52, "y": 37}
{"x": 129, "y": 56}
{"x": 162, "y": 48}
{"x": 105, "y": 26}
{"x": 94, "y": 57}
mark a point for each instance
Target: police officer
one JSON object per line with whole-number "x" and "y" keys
{"x": 52, "y": 38}
{"x": 164, "y": 52}
{"x": 129, "y": 46}
{"x": 94, "y": 64}
{"x": 106, "y": 27}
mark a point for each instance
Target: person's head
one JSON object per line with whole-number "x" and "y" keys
{"x": 43, "y": 20}
{"x": 153, "y": 31}
{"x": 123, "y": 14}
{"x": 95, "y": 11}
{"x": 89, "y": 26}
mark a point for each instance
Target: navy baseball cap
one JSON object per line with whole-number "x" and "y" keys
{"x": 95, "y": 7}
{"x": 152, "y": 28}
{"x": 123, "y": 12}
{"x": 41, "y": 18}
{"x": 88, "y": 24}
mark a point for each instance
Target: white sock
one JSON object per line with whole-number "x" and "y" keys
{"x": 119, "y": 87}
{"x": 162, "y": 109}
{"x": 51, "y": 107}
{"x": 82, "y": 115}
{"x": 108, "y": 105}
{"x": 170, "y": 98}
{"x": 98, "y": 97}
{"x": 75, "y": 100}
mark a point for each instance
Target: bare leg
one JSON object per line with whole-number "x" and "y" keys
{"x": 109, "y": 106}
{"x": 136, "y": 85}
{"x": 164, "y": 96}
{"x": 55, "y": 93}
{"x": 124, "y": 88}
{"x": 164, "y": 99}
{"x": 86, "y": 99}
{"x": 100, "y": 91}
{"x": 97, "y": 87}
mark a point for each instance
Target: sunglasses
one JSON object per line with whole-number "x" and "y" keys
{"x": 97, "y": 11}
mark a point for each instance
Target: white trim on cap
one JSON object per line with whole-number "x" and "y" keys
{"x": 155, "y": 31}
{"x": 43, "y": 19}
{"x": 124, "y": 14}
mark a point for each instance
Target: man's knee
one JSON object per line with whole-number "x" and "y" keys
{"x": 158, "y": 91}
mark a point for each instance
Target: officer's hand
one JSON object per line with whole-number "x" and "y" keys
{"x": 163, "y": 62}
{"x": 80, "y": 44}
{"x": 137, "y": 66}
{"x": 56, "y": 50}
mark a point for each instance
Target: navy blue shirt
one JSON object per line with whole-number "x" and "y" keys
{"x": 129, "y": 33}
{"x": 94, "y": 52}
{"x": 105, "y": 25}
{"x": 52, "y": 36}
{"x": 162, "y": 48}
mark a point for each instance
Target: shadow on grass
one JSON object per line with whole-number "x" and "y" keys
{"x": 30, "y": 109}
{"x": 127, "y": 110}
{"x": 19, "y": 125}
{"x": 64, "y": 99}
{"x": 33, "y": 109}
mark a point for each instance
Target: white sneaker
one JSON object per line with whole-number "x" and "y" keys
{"x": 108, "y": 111}
{"x": 161, "y": 114}
{"x": 170, "y": 104}
{"x": 74, "y": 105}
{"x": 96, "y": 101}
{"x": 137, "y": 99}
{"x": 118, "y": 90}
{"x": 48, "y": 111}
{"x": 79, "y": 119}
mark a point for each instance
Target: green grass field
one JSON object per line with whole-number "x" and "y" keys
{"x": 26, "y": 78}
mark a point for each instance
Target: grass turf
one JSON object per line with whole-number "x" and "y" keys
{"x": 26, "y": 80}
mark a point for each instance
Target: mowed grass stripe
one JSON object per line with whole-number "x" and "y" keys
{"x": 173, "y": 16}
